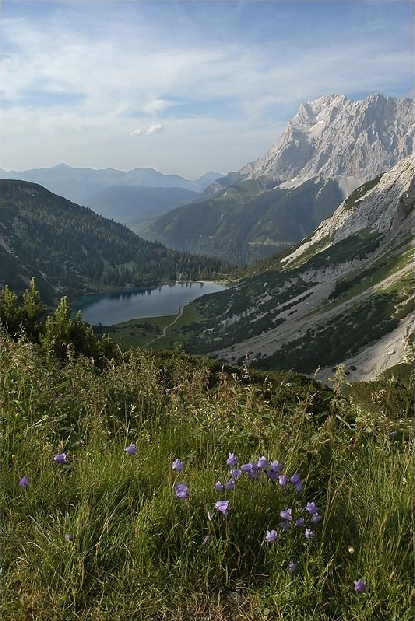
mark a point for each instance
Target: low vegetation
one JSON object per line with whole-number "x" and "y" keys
{"x": 165, "y": 487}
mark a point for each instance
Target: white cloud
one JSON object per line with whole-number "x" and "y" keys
{"x": 223, "y": 94}
{"x": 153, "y": 129}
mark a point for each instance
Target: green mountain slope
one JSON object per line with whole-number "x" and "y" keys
{"x": 247, "y": 220}
{"x": 70, "y": 250}
{"x": 345, "y": 294}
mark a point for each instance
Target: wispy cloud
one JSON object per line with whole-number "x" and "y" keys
{"x": 213, "y": 75}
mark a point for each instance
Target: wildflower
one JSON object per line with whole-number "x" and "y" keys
{"x": 229, "y": 485}
{"x": 68, "y": 537}
{"x": 286, "y": 515}
{"x": 311, "y": 507}
{"x": 247, "y": 468}
{"x": 283, "y": 479}
{"x": 271, "y": 536}
{"x": 262, "y": 462}
{"x": 206, "y": 540}
{"x": 131, "y": 450}
{"x": 315, "y": 518}
{"x": 359, "y": 586}
{"x": 292, "y": 566}
{"x": 255, "y": 472}
{"x": 222, "y": 506}
{"x": 232, "y": 460}
{"x": 296, "y": 481}
{"x": 218, "y": 486}
{"x": 309, "y": 533}
{"x": 300, "y": 522}
{"x": 182, "y": 491}
{"x": 273, "y": 470}
{"x": 60, "y": 458}
{"x": 236, "y": 473}
{"x": 177, "y": 465}
{"x": 24, "y": 481}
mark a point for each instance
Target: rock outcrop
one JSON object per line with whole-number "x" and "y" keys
{"x": 336, "y": 138}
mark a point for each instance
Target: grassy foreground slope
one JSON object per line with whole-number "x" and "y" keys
{"x": 101, "y": 535}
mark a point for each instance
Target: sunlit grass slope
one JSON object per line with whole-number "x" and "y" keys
{"x": 293, "y": 504}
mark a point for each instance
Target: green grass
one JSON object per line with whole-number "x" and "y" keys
{"x": 137, "y": 551}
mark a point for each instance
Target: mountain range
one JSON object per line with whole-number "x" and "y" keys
{"x": 344, "y": 295}
{"x": 330, "y": 147}
{"x": 340, "y": 289}
{"x": 135, "y": 197}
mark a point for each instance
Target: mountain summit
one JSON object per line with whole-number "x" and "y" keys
{"x": 336, "y": 138}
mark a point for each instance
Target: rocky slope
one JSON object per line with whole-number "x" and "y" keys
{"x": 345, "y": 295}
{"x": 336, "y": 138}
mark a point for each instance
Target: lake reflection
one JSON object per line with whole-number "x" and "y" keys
{"x": 112, "y": 308}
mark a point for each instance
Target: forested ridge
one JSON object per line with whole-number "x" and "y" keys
{"x": 71, "y": 250}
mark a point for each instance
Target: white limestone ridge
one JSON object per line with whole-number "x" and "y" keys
{"x": 333, "y": 137}
{"x": 381, "y": 209}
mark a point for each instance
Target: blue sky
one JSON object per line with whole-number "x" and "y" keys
{"x": 185, "y": 87}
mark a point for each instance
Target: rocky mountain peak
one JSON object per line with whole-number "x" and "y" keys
{"x": 334, "y": 137}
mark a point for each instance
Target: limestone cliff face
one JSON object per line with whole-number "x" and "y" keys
{"x": 333, "y": 137}
{"x": 381, "y": 209}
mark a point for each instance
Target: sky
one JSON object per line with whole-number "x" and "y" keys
{"x": 184, "y": 86}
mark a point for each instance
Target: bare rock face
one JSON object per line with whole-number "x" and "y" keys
{"x": 333, "y": 137}
{"x": 380, "y": 209}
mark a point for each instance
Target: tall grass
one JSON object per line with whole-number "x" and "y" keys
{"x": 104, "y": 537}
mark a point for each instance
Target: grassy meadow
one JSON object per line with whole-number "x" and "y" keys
{"x": 241, "y": 495}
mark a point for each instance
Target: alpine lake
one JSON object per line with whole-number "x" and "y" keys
{"x": 110, "y": 309}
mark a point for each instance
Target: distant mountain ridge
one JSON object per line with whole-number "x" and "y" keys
{"x": 333, "y": 137}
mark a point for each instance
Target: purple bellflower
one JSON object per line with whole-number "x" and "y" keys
{"x": 311, "y": 507}
{"x": 218, "y": 486}
{"x": 359, "y": 586}
{"x": 262, "y": 462}
{"x": 309, "y": 533}
{"x": 60, "y": 458}
{"x": 271, "y": 536}
{"x": 24, "y": 481}
{"x": 182, "y": 491}
{"x": 68, "y": 537}
{"x": 229, "y": 485}
{"x": 296, "y": 481}
{"x": 292, "y": 566}
{"x": 131, "y": 450}
{"x": 222, "y": 506}
{"x": 177, "y": 465}
{"x": 316, "y": 518}
{"x": 236, "y": 473}
{"x": 283, "y": 479}
{"x": 232, "y": 460}
{"x": 287, "y": 515}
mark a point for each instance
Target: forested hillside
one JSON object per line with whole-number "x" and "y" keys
{"x": 70, "y": 250}
{"x": 247, "y": 220}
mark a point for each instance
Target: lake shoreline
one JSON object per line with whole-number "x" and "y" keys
{"x": 131, "y": 303}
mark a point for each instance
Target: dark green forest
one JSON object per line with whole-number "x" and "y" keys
{"x": 71, "y": 251}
